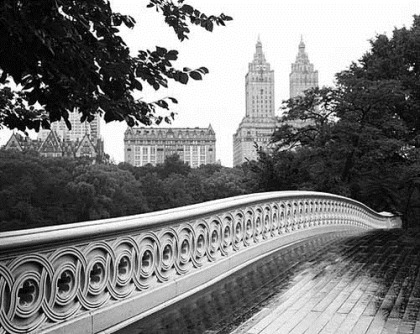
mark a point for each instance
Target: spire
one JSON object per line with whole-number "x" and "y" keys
{"x": 301, "y": 44}
{"x": 210, "y": 129}
{"x": 259, "y": 55}
{"x": 259, "y": 45}
{"x": 302, "y": 56}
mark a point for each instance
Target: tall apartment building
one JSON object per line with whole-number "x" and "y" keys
{"x": 259, "y": 122}
{"x": 302, "y": 76}
{"x": 148, "y": 145}
{"x": 78, "y": 130}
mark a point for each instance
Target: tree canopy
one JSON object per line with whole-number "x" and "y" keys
{"x": 68, "y": 56}
{"x": 360, "y": 138}
{"x": 37, "y": 191}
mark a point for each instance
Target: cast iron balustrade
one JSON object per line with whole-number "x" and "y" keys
{"x": 102, "y": 275}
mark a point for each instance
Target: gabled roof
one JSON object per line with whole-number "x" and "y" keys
{"x": 86, "y": 141}
{"x": 52, "y": 144}
{"x": 13, "y": 143}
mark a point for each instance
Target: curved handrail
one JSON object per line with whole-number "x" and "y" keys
{"x": 76, "y": 274}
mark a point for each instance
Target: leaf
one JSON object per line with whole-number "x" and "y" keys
{"x": 172, "y": 55}
{"x": 174, "y": 100}
{"x": 3, "y": 77}
{"x": 203, "y": 70}
{"x": 161, "y": 51}
{"x": 128, "y": 21}
{"x": 162, "y": 104}
{"x": 196, "y": 75}
{"x": 187, "y": 9}
{"x": 138, "y": 85}
{"x": 68, "y": 124}
{"x": 209, "y": 25}
{"x": 183, "y": 78}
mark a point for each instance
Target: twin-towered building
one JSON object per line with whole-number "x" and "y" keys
{"x": 197, "y": 146}
{"x": 260, "y": 121}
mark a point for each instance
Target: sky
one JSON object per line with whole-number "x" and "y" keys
{"x": 336, "y": 33}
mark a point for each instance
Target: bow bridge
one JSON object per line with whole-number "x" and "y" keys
{"x": 101, "y": 276}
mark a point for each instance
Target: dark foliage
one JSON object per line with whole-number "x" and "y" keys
{"x": 37, "y": 191}
{"x": 68, "y": 56}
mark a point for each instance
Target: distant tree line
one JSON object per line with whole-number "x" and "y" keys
{"x": 37, "y": 191}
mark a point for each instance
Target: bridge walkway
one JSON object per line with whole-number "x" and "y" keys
{"x": 336, "y": 283}
{"x": 364, "y": 285}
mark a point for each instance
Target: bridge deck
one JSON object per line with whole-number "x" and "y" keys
{"x": 367, "y": 283}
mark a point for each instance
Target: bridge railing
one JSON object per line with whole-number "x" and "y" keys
{"x": 101, "y": 275}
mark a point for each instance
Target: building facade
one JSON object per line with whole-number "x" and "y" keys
{"x": 53, "y": 146}
{"x": 259, "y": 122}
{"x": 302, "y": 75}
{"x": 78, "y": 129}
{"x": 148, "y": 145}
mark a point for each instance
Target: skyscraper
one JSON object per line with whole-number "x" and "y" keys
{"x": 302, "y": 76}
{"x": 78, "y": 129}
{"x": 259, "y": 122}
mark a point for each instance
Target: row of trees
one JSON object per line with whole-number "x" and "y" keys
{"x": 37, "y": 191}
{"x": 361, "y": 138}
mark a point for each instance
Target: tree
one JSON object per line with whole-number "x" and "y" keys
{"x": 67, "y": 56}
{"x": 105, "y": 191}
{"x": 360, "y": 138}
{"x": 173, "y": 165}
{"x": 37, "y": 191}
{"x": 226, "y": 182}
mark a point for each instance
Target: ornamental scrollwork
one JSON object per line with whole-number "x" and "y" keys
{"x": 52, "y": 285}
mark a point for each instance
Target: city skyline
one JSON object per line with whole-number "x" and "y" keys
{"x": 335, "y": 33}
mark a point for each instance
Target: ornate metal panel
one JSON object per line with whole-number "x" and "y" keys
{"x": 52, "y": 276}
